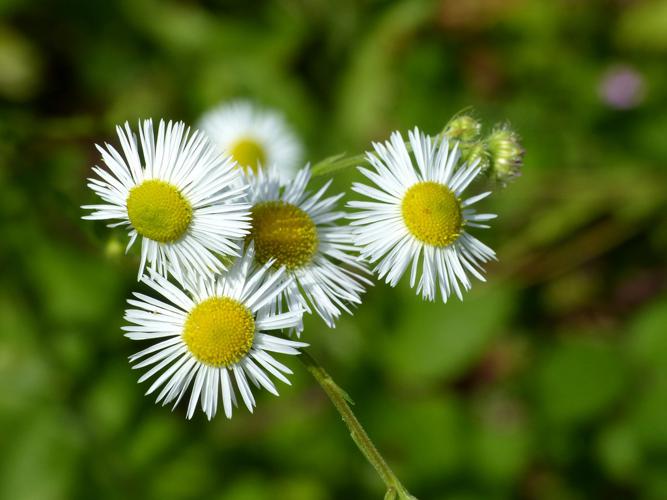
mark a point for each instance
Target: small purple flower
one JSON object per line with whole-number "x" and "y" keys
{"x": 622, "y": 87}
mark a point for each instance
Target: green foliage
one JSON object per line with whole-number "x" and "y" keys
{"x": 548, "y": 382}
{"x": 431, "y": 343}
{"x": 578, "y": 380}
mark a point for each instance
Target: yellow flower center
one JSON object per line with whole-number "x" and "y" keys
{"x": 432, "y": 213}
{"x": 283, "y": 232}
{"x": 249, "y": 154}
{"x": 159, "y": 211}
{"x": 219, "y": 331}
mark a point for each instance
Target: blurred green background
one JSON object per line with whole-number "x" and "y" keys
{"x": 549, "y": 382}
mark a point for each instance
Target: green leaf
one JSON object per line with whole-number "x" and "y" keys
{"x": 501, "y": 450}
{"x": 437, "y": 450}
{"x": 578, "y": 380}
{"x": 433, "y": 340}
{"x": 619, "y": 451}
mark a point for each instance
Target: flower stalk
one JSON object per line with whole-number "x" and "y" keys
{"x": 334, "y": 163}
{"x": 341, "y": 401}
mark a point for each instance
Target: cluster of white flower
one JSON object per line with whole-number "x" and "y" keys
{"x": 236, "y": 245}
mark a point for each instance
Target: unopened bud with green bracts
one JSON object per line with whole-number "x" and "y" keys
{"x": 505, "y": 154}
{"x": 476, "y": 152}
{"x": 462, "y": 128}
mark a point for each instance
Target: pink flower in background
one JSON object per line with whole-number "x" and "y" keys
{"x": 622, "y": 87}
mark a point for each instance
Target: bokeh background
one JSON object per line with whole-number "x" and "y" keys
{"x": 549, "y": 382}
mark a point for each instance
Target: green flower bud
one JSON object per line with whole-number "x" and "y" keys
{"x": 462, "y": 128}
{"x": 476, "y": 151}
{"x": 506, "y": 154}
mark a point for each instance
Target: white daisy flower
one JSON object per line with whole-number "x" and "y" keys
{"x": 180, "y": 196}
{"x": 298, "y": 230}
{"x": 417, "y": 215}
{"x": 253, "y": 136}
{"x": 212, "y": 338}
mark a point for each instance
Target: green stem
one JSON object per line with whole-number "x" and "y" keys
{"x": 340, "y": 399}
{"x": 338, "y": 162}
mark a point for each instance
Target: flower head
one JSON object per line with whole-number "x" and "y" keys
{"x": 505, "y": 154}
{"x": 256, "y": 138}
{"x": 417, "y": 216}
{"x": 297, "y": 229}
{"x": 211, "y": 336}
{"x": 179, "y": 197}
{"x": 462, "y": 128}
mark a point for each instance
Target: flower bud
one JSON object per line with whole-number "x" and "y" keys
{"x": 476, "y": 151}
{"x": 462, "y": 128}
{"x": 505, "y": 153}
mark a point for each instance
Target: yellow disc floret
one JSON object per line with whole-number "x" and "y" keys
{"x": 283, "y": 232}
{"x": 432, "y": 213}
{"x": 159, "y": 211}
{"x": 248, "y": 153}
{"x": 219, "y": 331}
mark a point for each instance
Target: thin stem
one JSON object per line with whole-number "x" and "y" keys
{"x": 337, "y": 162}
{"x": 340, "y": 400}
